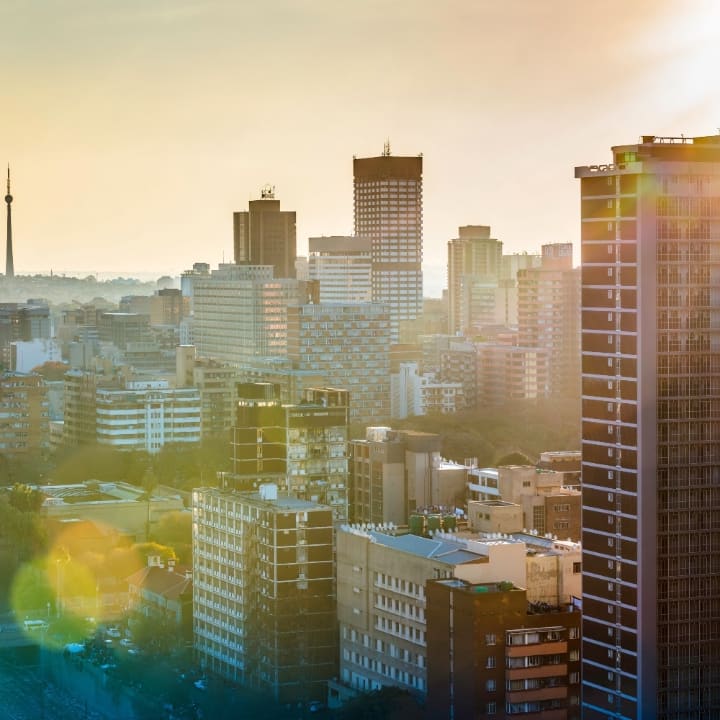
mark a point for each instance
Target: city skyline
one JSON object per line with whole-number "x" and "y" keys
{"x": 144, "y": 128}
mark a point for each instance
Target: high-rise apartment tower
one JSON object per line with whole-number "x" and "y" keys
{"x": 472, "y": 256}
{"x": 651, "y": 436}
{"x": 388, "y": 211}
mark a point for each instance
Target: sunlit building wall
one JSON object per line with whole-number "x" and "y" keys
{"x": 388, "y": 211}
{"x": 651, "y": 436}
{"x": 264, "y": 591}
{"x": 342, "y": 267}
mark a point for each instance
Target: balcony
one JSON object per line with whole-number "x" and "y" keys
{"x": 548, "y": 693}
{"x": 549, "y": 648}
{"x": 541, "y": 671}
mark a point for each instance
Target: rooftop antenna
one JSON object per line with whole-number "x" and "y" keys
{"x": 386, "y": 148}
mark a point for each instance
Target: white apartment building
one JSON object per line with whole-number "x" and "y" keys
{"x": 145, "y": 415}
{"x": 264, "y": 591}
{"x": 240, "y": 312}
{"x": 342, "y": 266}
{"x": 415, "y": 393}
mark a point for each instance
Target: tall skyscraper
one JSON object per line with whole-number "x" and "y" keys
{"x": 388, "y": 210}
{"x": 9, "y": 265}
{"x": 473, "y": 255}
{"x": 651, "y": 437}
{"x": 265, "y": 235}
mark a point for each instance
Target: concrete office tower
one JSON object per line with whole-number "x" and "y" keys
{"x": 241, "y": 312}
{"x": 388, "y": 211}
{"x": 549, "y": 316}
{"x": 472, "y": 257}
{"x": 348, "y": 346}
{"x": 394, "y": 473}
{"x": 651, "y": 438}
{"x": 264, "y": 591}
{"x": 265, "y": 235}
{"x": 342, "y": 267}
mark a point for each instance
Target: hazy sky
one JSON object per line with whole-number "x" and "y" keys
{"x": 135, "y": 127}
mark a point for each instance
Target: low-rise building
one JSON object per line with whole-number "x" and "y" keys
{"x": 382, "y": 601}
{"x": 492, "y": 653}
{"x": 119, "y": 505}
{"x": 395, "y": 473}
{"x": 164, "y": 594}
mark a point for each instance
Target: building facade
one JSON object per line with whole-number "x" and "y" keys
{"x": 146, "y": 415}
{"x": 549, "y": 316}
{"x": 24, "y": 414}
{"x": 304, "y": 446}
{"x": 265, "y": 235}
{"x": 473, "y": 257}
{"x": 651, "y": 442}
{"x": 395, "y": 473}
{"x": 264, "y": 591}
{"x": 384, "y": 605}
{"x": 342, "y": 266}
{"x": 491, "y": 654}
{"x": 388, "y": 211}
{"x": 348, "y": 346}
{"x": 240, "y": 312}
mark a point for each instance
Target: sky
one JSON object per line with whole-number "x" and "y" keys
{"x": 134, "y": 128}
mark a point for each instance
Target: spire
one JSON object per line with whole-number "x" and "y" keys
{"x": 9, "y": 267}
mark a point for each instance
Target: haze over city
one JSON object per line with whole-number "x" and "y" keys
{"x": 134, "y": 129}
{"x": 360, "y": 360}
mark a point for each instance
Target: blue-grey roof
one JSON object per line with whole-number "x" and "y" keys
{"x": 442, "y": 551}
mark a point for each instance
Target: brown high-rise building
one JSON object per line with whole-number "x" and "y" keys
{"x": 388, "y": 211}
{"x": 491, "y": 654}
{"x": 651, "y": 437}
{"x": 265, "y": 235}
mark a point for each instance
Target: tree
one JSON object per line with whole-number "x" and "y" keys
{"x": 514, "y": 458}
{"x": 175, "y": 530}
{"x": 52, "y": 370}
{"x": 25, "y": 498}
{"x": 387, "y": 703}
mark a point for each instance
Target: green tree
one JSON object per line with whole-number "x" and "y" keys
{"x": 25, "y": 498}
{"x": 175, "y": 530}
{"x": 52, "y": 370}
